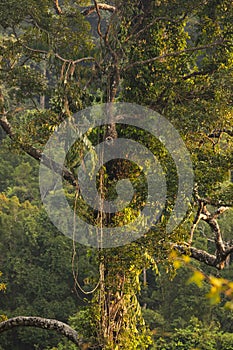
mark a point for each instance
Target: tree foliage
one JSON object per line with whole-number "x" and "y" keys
{"x": 59, "y": 57}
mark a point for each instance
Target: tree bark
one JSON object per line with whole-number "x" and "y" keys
{"x": 43, "y": 323}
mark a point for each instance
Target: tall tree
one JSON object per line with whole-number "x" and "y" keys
{"x": 175, "y": 57}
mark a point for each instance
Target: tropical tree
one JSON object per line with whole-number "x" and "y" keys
{"x": 174, "y": 57}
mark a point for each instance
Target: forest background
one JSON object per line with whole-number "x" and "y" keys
{"x": 162, "y": 291}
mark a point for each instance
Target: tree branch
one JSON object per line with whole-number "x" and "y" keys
{"x": 222, "y": 248}
{"x": 209, "y": 201}
{"x": 99, "y": 19}
{"x": 92, "y": 9}
{"x": 174, "y": 54}
{"x": 211, "y": 220}
{"x": 79, "y": 60}
{"x": 43, "y": 323}
{"x": 139, "y": 32}
{"x": 44, "y": 52}
{"x": 218, "y": 133}
{"x": 196, "y": 221}
{"x": 57, "y": 7}
{"x": 229, "y": 251}
{"x": 197, "y": 254}
{"x": 199, "y": 73}
{"x": 38, "y": 155}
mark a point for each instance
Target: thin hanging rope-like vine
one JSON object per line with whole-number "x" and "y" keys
{"x": 74, "y": 255}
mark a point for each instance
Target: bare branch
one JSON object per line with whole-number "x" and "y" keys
{"x": 101, "y": 6}
{"x": 219, "y": 211}
{"x": 199, "y": 73}
{"x": 134, "y": 33}
{"x": 99, "y": 19}
{"x": 43, "y": 323}
{"x": 229, "y": 251}
{"x": 205, "y": 257}
{"x": 214, "y": 203}
{"x": 197, "y": 254}
{"x": 79, "y": 60}
{"x": 6, "y": 126}
{"x": 33, "y": 50}
{"x": 174, "y": 54}
{"x": 57, "y": 7}
{"x": 218, "y": 133}
{"x": 211, "y": 220}
{"x": 223, "y": 250}
{"x": 196, "y": 221}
